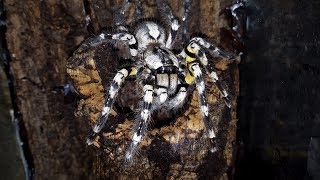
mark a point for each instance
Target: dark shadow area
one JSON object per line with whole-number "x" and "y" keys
{"x": 279, "y": 101}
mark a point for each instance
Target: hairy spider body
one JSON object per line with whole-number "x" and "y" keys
{"x": 163, "y": 75}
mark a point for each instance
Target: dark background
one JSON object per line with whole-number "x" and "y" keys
{"x": 279, "y": 101}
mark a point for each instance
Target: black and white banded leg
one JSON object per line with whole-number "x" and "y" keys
{"x": 203, "y": 103}
{"x": 214, "y": 50}
{"x": 141, "y": 124}
{"x": 113, "y": 91}
{"x": 209, "y": 67}
{"x": 169, "y": 16}
{"x": 106, "y": 37}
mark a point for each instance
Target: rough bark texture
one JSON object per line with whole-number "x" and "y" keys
{"x": 42, "y": 35}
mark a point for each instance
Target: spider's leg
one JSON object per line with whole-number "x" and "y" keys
{"x": 184, "y": 21}
{"x": 119, "y": 19}
{"x": 162, "y": 93}
{"x": 142, "y": 122}
{"x": 121, "y": 37}
{"x": 107, "y": 107}
{"x": 166, "y": 11}
{"x": 214, "y": 50}
{"x": 192, "y": 51}
{"x": 203, "y": 102}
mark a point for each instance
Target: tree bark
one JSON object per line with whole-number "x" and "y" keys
{"x": 42, "y": 35}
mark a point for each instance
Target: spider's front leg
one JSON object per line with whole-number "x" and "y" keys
{"x": 203, "y": 103}
{"x": 214, "y": 50}
{"x": 196, "y": 49}
{"x": 115, "y": 86}
{"x": 141, "y": 124}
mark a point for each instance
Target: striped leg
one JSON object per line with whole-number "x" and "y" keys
{"x": 203, "y": 102}
{"x": 194, "y": 50}
{"x": 212, "y": 48}
{"x": 169, "y": 16}
{"x": 141, "y": 123}
{"x": 106, "y": 37}
{"x": 113, "y": 91}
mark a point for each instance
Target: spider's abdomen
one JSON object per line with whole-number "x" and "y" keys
{"x": 150, "y": 32}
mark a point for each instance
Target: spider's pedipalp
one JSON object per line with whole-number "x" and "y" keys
{"x": 142, "y": 122}
{"x": 179, "y": 99}
{"x": 203, "y": 102}
{"x": 162, "y": 93}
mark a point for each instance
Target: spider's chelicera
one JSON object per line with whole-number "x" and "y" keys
{"x": 163, "y": 75}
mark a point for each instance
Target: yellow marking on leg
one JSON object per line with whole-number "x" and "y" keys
{"x": 189, "y": 76}
{"x": 191, "y": 50}
{"x": 190, "y": 59}
{"x": 133, "y": 72}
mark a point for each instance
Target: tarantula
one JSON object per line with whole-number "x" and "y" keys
{"x": 163, "y": 75}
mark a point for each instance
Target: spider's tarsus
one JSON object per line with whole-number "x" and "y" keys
{"x": 96, "y": 128}
{"x": 227, "y": 102}
{"x": 213, "y": 147}
{"x": 90, "y": 138}
{"x": 89, "y": 141}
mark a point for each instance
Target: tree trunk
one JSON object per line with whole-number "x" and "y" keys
{"x": 42, "y": 35}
